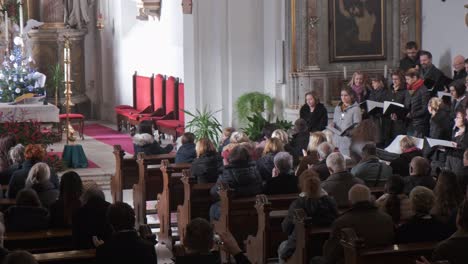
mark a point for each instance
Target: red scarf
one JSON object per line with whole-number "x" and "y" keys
{"x": 416, "y": 85}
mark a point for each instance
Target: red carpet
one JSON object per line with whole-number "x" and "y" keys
{"x": 109, "y": 136}
{"x": 91, "y": 164}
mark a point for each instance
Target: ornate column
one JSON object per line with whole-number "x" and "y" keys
{"x": 312, "y": 20}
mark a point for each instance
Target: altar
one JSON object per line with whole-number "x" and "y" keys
{"x": 29, "y": 112}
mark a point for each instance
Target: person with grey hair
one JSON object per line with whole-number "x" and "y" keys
{"x": 340, "y": 180}
{"x": 370, "y": 169}
{"x": 16, "y": 155}
{"x": 283, "y": 179}
{"x": 39, "y": 180}
{"x": 422, "y": 227}
{"x": 420, "y": 175}
{"x": 324, "y": 150}
{"x": 91, "y": 219}
{"x": 362, "y": 215}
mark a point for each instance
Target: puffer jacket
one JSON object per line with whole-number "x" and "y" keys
{"x": 418, "y": 110}
{"x": 207, "y": 167}
{"x": 243, "y": 178}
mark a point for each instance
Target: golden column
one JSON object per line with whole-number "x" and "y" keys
{"x": 68, "y": 82}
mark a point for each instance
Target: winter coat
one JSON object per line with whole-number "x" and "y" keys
{"x": 145, "y": 143}
{"x": 265, "y": 165}
{"x": 186, "y": 153}
{"x": 338, "y": 185}
{"x": 207, "y": 167}
{"x": 243, "y": 178}
{"x": 343, "y": 119}
{"x": 316, "y": 120}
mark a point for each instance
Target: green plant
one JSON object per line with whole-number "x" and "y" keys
{"x": 284, "y": 124}
{"x": 254, "y": 102}
{"x": 204, "y": 124}
{"x": 56, "y": 81}
{"x": 255, "y": 124}
{"x": 30, "y": 132}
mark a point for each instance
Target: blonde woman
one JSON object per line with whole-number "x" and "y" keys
{"x": 208, "y": 164}
{"x": 359, "y": 85}
{"x": 311, "y": 155}
{"x": 265, "y": 164}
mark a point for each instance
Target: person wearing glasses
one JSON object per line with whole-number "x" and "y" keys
{"x": 459, "y": 71}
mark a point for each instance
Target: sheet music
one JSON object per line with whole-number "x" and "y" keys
{"x": 394, "y": 147}
{"x": 442, "y": 143}
{"x": 373, "y": 104}
{"x": 386, "y": 104}
{"x": 442, "y": 94}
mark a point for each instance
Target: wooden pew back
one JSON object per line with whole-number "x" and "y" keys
{"x": 40, "y": 241}
{"x": 67, "y": 257}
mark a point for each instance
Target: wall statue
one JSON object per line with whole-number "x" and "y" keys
{"x": 76, "y": 13}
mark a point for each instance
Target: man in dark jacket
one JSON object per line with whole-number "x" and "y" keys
{"x": 283, "y": 180}
{"x": 324, "y": 150}
{"x": 420, "y": 175}
{"x": 186, "y": 153}
{"x": 124, "y": 246}
{"x": 360, "y": 217}
{"x": 370, "y": 169}
{"x": 431, "y": 74}
{"x": 459, "y": 71}
{"x": 411, "y": 59}
{"x": 340, "y": 180}
{"x": 462, "y": 174}
{"x": 419, "y": 98}
{"x": 460, "y": 100}
{"x": 240, "y": 175}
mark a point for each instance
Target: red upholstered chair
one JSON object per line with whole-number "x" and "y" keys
{"x": 74, "y": 118}
{"x": 142, "y": 101}
{"x": 176, "y": 126}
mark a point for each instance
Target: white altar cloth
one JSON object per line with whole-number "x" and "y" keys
{"x": 26, "y": 112}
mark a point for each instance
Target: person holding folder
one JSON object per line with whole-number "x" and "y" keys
{"x": 398, "y": 94}
{"x": 440, "y": 128}
{"x": 346, "y": 116}
{"x": 419, "y": 97}
{"x": 379, "y": 93}
{"x": 460, "y": 137}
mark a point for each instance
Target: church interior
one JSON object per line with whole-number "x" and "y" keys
{"x": 234, "y": 131}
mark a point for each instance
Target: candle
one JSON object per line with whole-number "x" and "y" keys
{"x": 385, "y": 71}
{"x": 345, "y": 73}
{"x": 66, "y": 63}
{"x": 6, "y": 27}
{"x": 21, "y": 17}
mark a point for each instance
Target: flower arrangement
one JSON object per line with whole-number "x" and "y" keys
{"x": 55, "y": 162}
{"x": 29, "y": 132}
{"x": 17, "y": 76}
{"x": 12, "y": 7}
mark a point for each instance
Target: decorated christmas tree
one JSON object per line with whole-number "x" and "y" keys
{"x": 18, "y": 76}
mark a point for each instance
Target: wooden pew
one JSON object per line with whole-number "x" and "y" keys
{"x": 126, "y": 171}
{"x": 197, "y": 202}
{"x": 170, "y": 197}
{"x": 67, "y": 257}
{"x": 356, "y": 253}
{"x": 150, "y": 183}
{"x": 40, "y": 241}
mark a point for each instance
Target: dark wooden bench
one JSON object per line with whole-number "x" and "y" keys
{"x": 67, "y": 257}
{"x": 40, "y": 241}
{"x": 197, "y": 202}
{"x": 356, "y": 253}
{"x": 126, "y": 171}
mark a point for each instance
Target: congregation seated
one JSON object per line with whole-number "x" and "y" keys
{"x": 186, "y": 153}
{"x": 283, "y": 180}
{"x": 28, "y": 213}
{"x": 39, "y": 180}
{"x": 208, "y": 164}
{"x": 394, "y": 201}
{"x": 453, "y": 249}
{"x": 144, "y": 141}
{"x": 460, "y": 137}
{"x": 361, "y": 217}
{"x": 314, "y": 113}
{"x": 91, "y": 220}
{"x": 370, "y": 169}
{"x": 284, "y": 137}
{"x": 68, "y": 203}
{"x": 265, "y": 164}
{"x": 6, "y": 143}
{"x": 420, "y": 175}
{"x": 323, "y": 150}
{"x": 16, "y": 155}
{"x": 448, "y": 197}
{"x": 239, "y": 138}
{"x": 225, "y": 138}
{"x": 310, "y": 155}
{"x": 462, "y": 173}
{"x": 19, "y": 256}
{"x": 240, "y": 175}
{"x": 199, "y": 242}
{"x": 33, "y": 154}
{"x": 340, "y": 180}
{"x": 125, "y": 245}
{"x": 267, "y": 130}
{"x": 422, "y": 227}
{"x": 317, "y": 205}
{"x": 300, "y": 139}
{"x": 409, "y": 150}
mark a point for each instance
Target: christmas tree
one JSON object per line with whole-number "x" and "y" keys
{"x": 17, "y": 75}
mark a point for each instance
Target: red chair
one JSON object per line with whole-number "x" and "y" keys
{"x": 79, "y": 118}
{"x": 142, "y": 101}
{"x": 176, "y": 126}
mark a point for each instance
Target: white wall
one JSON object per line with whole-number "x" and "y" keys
{"x": 444, "y": 32}
{"x": 129, "y": 45}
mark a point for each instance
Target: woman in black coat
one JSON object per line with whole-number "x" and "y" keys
{"x": 460, "y": 137}
{"x": 27, "y": 214}
{"x": 208, "y": 164}
{"x": 265, "y": 164}
{"x": 314, "y": 113}
{"x": 419, "y": 97}
{"x": 398, "y": 94}
{"x": 68, "y": 203}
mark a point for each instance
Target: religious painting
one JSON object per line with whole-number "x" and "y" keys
{"x": 357, "y": 30}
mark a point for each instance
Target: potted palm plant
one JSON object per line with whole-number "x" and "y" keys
{"x": 56, "y": 81}
{"x": 204, "y": 124}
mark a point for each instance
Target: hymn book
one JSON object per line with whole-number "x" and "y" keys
{"x": 432, "y": 142}
{"x": 394, "y": 147}
{"x": 372, "y": 107}
{"x": 339, "y": 132}
{"x": 395, "y": 108}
